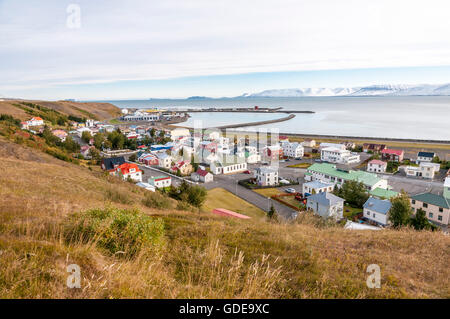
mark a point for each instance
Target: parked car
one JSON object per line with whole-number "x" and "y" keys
{"x": 290, "y": 190}
{"x": 298, "y": 158}
{"x": 247, "y": 172}
{"x": 287, "y": 160}
{"x": 318, "y": 161}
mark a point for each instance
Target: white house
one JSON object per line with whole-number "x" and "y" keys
{"x": 202, "y": 175}
{"x": 164, "y": 160}
{"x": 424, "y": 170}
{"x": 309, "y": 143}
{"x": 179, "y": 132}
{"x": 224, "y": 167}
{"x": 334, "y": 145}
{"x": 266, "y": 176}
{"x": 146, "y": 186}
{"x": 327, "y": 205}
{"x": 425, "y": 157}
{"x": 142, "y": 116}
{"x": 90, "y": 123}
{"x": 337, "y": 155}
{"x": 129, "y": 170}
{"x": 160, "y": 181}
{"x": 293, "y": 150}
{"x": 316, "y": 187}
{"x": 377, "y": 210}
{"x": 447, "y": 188}
{"x": 35, "y": 121}
{"x": 376, "y": 166}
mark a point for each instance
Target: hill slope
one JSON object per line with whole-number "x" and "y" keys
{"x": 97, "y": 111}
{"x": 201, "y": 255}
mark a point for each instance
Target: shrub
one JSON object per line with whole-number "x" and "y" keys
{"x": 116, "y": 196}
{"x": 115, "y": 230}
{"x": 156, "y": 200}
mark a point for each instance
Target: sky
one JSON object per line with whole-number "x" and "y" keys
{"x": 109, "y": 49}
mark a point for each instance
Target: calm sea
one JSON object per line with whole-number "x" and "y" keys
{"x": 417, "y": 117}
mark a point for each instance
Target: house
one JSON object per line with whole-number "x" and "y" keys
{"x": 266, "y": 176}
{"x": 90, "y": 123}
{"x": 109, "y": 164}
{"x": 252, "y": 157}
{"x": 35, "y": 121}
{"x": 376, "y": 166}
{"x": 185, "y": 168}
{"x": 293, "y": 150}
{"x": 179, "y": 132}
{"x": 148, "y": 159}
{"x": 160, "y": 181}
{"x": 309, "y": 142}
{"x": 327, "y": 205}
{"x": 436, "y": 207}
{"x": 146, "y": 186}
{"x": 383, "y": 193}
{"x": 424, "y": 170}
{"x": 349, "y": 145}
{"x": 224, "y": 167}
{"x": 425, "y": 157}
{"x": 202, "y": 175}
{"x": 85, "y": 151}
{"x": 392, "y": 155}
{"x": 141, "y": 116}
{"x": 338, "y": 155}
{"x": 334, "y": 145}
{"x": 62, "y": 135}
{"x": 329, "y": 173}
{"x": 377, "y": 210}
{"x": 164, "y": 160}
{"x": 129, "y": 170}
{"x": 316, "y": 187}
{"x": 272, "y": 152}
{"x": 373, "y": 148}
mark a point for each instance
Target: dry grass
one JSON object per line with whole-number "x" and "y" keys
{"x": 221, "y": 198}
{"x": 203, "y": 255}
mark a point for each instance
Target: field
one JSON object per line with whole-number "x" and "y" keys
{"x": 221, "y": 198}
{"x": 268, "y": 192}
{"x": 199, "y": 255}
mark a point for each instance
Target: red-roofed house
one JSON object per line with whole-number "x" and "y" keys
{"x": 202, "y": 175}
{"x": 35, "y": 121}
{"x": 129, "y": 170}
{"x": 185, "y": 168}
{"x": 376, "y": 166}
{"x": 392, "y": 155}
{"x": 62, "y": 135}
{"x": 149, "y": 159}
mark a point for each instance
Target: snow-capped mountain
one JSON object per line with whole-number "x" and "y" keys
{"x": 372, "y": 90}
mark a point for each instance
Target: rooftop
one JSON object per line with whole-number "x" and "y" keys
{"x": 366, "y": 178}
{"x": 391, "y": 151}
{"x": 432, "y": 199}
{"x": 317, "y": 184}
{"x": 426, "y": 154}
{"x": 378, "y": 205}
{"x": 383, "y": 193}
{"x": 327, "y": 199}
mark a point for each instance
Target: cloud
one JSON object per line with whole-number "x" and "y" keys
{"x": 138, "y": 40}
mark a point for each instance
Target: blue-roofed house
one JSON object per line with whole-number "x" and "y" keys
{"x": 316, "y": 187}
{"x": 377, "y": 210}
{"x": 424, "y": 157}
{"x": 326, "y": 205}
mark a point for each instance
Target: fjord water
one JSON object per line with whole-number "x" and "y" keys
{"x": 414, "y": 117}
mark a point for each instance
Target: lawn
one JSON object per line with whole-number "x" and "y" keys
{"x": 300, "y": 165}
{"x": 351, "y": 211}
{"x": 221, "y": 198}
{"x": 268, "y": 192}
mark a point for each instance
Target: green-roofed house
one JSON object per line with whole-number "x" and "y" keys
{"x": 329, "y": 173}
{"x": 383, "y": 193}
{"x": 436, "y": 207}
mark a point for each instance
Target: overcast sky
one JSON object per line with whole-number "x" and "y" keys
{"x": 142, "y": 49}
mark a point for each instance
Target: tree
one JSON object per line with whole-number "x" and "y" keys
{"x": 94, "y": 153}
{"x": 152, "y": 132}
{"x": 400, "y": 212}
{"x": 354, "y": 193}
{"x": 272, "y": 213}
{"x": 162, "y": 134}
{"x": 86, "y": 136}
{"x": 99, "y": 138}
{"x": 194, "y": 195}
{"x": 133, "y": 158}
{"x": 70, "y": 145}
{"x": 420, "y": 221}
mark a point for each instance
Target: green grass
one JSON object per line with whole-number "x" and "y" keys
{"x": 351, "y": 211}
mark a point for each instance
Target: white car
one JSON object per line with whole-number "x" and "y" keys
{"x": 290, "y": 190}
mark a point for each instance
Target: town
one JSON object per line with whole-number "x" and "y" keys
{"x": 345, "y": 182}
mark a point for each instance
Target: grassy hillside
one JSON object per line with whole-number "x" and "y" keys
{"x": 47, "y": 223}
{"x": 97, "y": 111}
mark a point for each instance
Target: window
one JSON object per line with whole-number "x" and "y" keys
{"x": 440, "y": 217}
{"x": 425, "y": 205}
{"x": 430, "y": 215}
{"x": 441, "y": 209}
{"x": 374, "y": 215}
{"x": 413, "y": 201}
